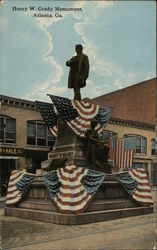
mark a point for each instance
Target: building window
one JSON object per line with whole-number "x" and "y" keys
{"x": 153, "y": 146}
{"x": 41, "y": 135}
{"x": 141, "y": 145}
{"x": 153, "y": 173}
{"x": 138, "y": 143}
{"x": 31, "y": 133}
{"x": 38, "y": 134}
{"x": 129, "y": 143}
{"x": 7, "y": 130}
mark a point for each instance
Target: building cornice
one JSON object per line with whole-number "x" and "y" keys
{"x": 132, "y": 124}
{"x": 16, "y": 102}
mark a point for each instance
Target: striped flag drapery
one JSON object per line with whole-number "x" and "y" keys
{"x": 78, "y": 114}
{"x": 123, "y": 154}
{"x": 18, "y": 185}
{"x": 136, "y": 183}
{"x": 72, "y": 188}
{"x": 142, "y": 193}
{"x": 49, "y": 115}
{"x": 13, "y": 194}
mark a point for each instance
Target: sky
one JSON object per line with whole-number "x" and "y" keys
{"x": 118, "y": 37}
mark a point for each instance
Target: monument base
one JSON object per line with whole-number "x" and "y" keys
{"x": 68, "y": 147}
{"x": 111, "y": 202}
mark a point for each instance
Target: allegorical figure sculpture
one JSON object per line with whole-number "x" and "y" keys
{"x": 97, "y": 149}
{"x": 79, "y": 70}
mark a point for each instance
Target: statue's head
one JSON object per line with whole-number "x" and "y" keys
{"x": 78, "y": 48}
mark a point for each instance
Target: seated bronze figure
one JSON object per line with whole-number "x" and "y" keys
{"x": 97, "y": 149}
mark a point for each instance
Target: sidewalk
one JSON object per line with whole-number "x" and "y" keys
{"x": 128, "y": 233}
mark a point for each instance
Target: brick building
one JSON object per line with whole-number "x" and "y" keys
{"x": 134, "y": 115}
{"x": 24, "y": 137}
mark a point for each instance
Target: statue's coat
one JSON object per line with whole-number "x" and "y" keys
{"x": 79, "y": 70}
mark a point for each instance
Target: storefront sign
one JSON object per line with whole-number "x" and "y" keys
{"x": 11, "y": 151}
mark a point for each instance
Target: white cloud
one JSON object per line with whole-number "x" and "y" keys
{"x": 118, "y": 84}
{"x": 52, "y": 85}
{"x": 98, "y": 64}
{"x": 105, "y": 69}
{"x": 44, "y": 24}
{"x": 90, "y": 8}
{"x": 40, "y": 92}
{"x": 90, "y": 86}
{"x": 104, "y": 4}
{"x": 78, "y": 4}
{"x": 150, "y": 76}
{"x": 124, "y": 80}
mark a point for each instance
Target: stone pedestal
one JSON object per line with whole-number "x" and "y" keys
{"x": 67, "y": 146}
{"x": 110, "y": 202}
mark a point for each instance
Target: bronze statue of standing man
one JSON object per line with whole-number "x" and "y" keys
{"x": 79, "y": 70}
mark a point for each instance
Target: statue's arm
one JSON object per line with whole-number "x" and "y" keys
{"x": 72, "y": 61}
{"x": 86, "y": 67}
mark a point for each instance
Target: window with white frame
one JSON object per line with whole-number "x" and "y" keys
{"x": 7, "y": 130}
{"x": 153, "y": 146}
{"x": 38, "y": 134}
{"x": 153, "y": 173}
{"x": 139, "y": 143}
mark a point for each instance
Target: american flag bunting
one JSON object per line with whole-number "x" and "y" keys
{"x": 72, "y": 188}
{"x": 49, "y": 115}
{"x": 18, "y": 185}
{"x": 136, "y": 183}
{"x": 78, "y": 114}
{"x": 13, "y": 194}
{"x": 142, "y": 193}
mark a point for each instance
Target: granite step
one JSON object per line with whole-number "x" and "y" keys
{"x": 76, "y": 219}
{"x": 38, "y": 205}
{"x": 96, "y": 205}
{"x": 110, "y": 204}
